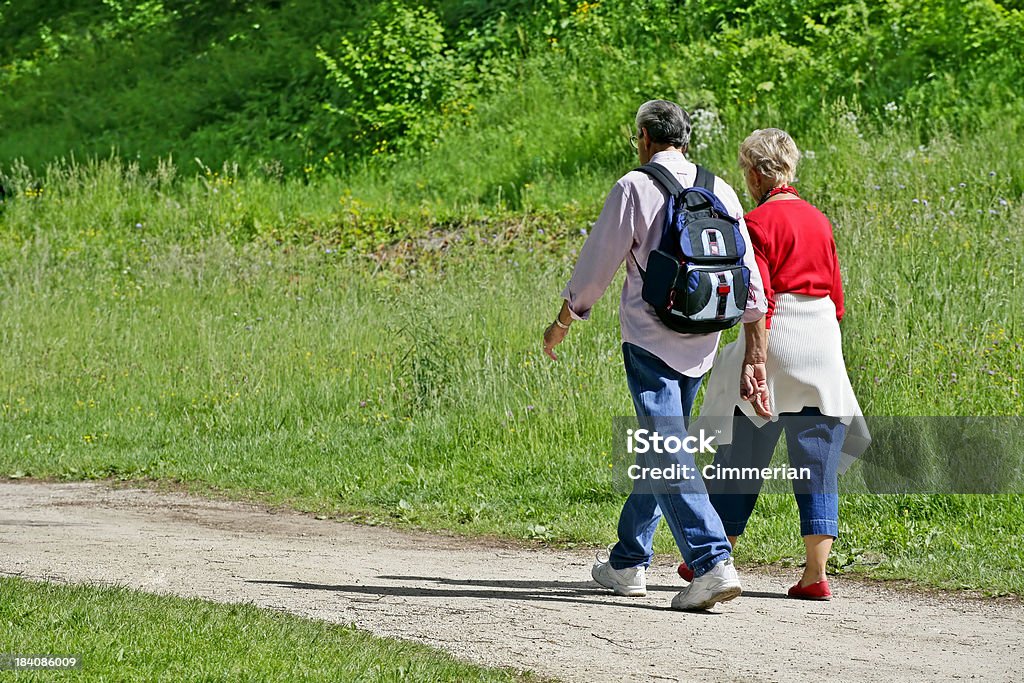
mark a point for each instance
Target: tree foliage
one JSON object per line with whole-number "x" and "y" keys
{"x": 311, "y": 81}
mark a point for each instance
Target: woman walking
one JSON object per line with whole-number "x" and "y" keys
{"x": 810, "y": 391}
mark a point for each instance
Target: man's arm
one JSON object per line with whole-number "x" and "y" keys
{"x": 603, "y": 252}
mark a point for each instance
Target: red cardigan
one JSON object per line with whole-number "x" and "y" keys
{"x": 795, "y": 252}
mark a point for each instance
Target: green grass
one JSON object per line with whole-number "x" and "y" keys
{"x": 125, "y": 635}
{"x": 235, "y": 340}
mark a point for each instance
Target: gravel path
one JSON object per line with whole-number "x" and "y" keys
{"x": 496, "y": 604}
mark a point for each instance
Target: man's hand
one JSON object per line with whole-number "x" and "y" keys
{"x": 754, "y": 388}
{"x": 553, "y": 336}
{"x": 557, "y": 330}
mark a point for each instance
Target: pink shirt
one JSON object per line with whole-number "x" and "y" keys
{"x": 632, "y": 218}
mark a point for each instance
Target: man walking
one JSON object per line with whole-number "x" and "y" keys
{"x": 663, "y": 368}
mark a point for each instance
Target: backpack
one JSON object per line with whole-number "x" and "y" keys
{"x": 695, "y": 279}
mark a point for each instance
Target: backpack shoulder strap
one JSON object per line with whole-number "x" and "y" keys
{"x": 668, "y": 180}
{"x": 664, "y": 177}
{"x": 705, "y": 179}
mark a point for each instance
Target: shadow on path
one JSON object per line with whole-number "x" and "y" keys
{"x": 529, "y": 591}
{"x": 587, "y": 586}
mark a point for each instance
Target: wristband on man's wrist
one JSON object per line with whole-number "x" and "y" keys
{"x": 558, "y": 321}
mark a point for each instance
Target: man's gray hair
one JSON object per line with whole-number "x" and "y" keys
{"x": 666, "y": 122}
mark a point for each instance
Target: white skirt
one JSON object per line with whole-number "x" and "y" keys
{"x": 805, "y": 368}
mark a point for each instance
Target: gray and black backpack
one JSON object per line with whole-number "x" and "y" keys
{"x": 695, "y": 279}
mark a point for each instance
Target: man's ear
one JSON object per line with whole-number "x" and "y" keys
{"x": 686, "y": 148}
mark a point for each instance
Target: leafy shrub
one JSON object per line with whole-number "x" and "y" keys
{"x": 395, "y": 75}
{"x": 242, "y": 81}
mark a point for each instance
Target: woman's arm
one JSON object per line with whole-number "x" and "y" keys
{"x": 836, "y": 292}
{"x": 762, "y": 257}
{"x": 753, "y": 376}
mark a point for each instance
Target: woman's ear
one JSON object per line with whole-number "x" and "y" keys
{"x": 750, "y": 176}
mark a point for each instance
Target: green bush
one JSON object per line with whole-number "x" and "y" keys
{"x": 242, "y": 81}
{"x": 394, "y": 79}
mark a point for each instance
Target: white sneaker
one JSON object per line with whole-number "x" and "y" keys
{"x": 718, "y": 585}
{"x": 630, "y": 582}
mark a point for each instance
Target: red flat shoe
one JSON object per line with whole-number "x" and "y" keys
{"x": 814, "y": 591}
{"x": 685, "y": 573}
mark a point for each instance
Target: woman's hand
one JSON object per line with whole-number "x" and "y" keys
{"x": 754, "y": 388}
{"x": 553, "y": 336}
{"x": 753, "y": 376}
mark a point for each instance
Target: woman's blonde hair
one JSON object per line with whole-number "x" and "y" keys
{"x": 772, "y": 153}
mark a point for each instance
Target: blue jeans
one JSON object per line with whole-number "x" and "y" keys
{"x": 812, "y": 440}
{"x": 659, "y": 391}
